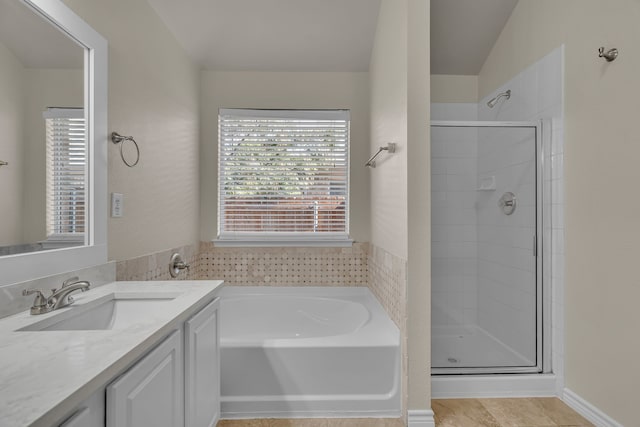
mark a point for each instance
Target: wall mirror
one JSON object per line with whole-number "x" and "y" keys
{"x": 53, "y": 102}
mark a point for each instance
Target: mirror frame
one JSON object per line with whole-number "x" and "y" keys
{"x": 29, "y": 266}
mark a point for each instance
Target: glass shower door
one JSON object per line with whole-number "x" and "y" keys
{"x": 486, "y": 293}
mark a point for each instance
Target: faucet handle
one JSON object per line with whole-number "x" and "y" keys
{"x": 70, "y": 281}
{"x": 40, "y": 300}
{"x": 177, "y": 265}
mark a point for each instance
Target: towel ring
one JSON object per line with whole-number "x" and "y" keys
{"x": 116, "y": 138}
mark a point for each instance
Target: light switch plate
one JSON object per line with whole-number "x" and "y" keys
{"x": 116, "y": 205}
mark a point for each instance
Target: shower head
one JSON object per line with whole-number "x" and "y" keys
{"x": 492, "y": 103}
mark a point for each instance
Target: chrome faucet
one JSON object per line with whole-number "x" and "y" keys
{"x": 59, "y": 297}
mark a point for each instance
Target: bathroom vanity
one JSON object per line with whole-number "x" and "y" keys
{"x": 124, "y": 354}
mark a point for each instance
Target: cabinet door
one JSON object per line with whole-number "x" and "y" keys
{"x": 151, "y": 393}
{"x": 202, "y": 368}
{"x": 89, "y": 414}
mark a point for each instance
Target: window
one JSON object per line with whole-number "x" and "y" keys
{"x": 283, "y": 177}
{"x": 66, "y": 165}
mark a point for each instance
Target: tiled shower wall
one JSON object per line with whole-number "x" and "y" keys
{"x": 506, "y": 263}
{"x": 453, "y": 219}
{"x": 537, "y": 94}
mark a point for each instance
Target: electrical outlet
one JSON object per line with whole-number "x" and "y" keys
{"x": 116, "y": 205}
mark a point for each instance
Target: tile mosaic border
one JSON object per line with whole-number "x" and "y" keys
{"x": 285, "y": 266}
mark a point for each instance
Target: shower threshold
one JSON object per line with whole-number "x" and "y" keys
{"x": 469, "y": 349}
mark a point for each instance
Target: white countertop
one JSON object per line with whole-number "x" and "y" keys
{"x": 46, "y": 374}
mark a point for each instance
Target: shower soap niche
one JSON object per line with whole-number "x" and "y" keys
{"x": 487, "y": 183}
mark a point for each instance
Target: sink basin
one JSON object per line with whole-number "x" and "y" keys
{"x": 115, "y": 311}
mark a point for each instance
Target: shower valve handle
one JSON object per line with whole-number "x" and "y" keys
{"x": 507, "y": 203}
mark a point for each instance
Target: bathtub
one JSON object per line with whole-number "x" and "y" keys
{"x": 304, "y": 352}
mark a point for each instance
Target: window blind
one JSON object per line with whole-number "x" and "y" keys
{"x": 283, "y": 174}
{"x": 66, "y": 172}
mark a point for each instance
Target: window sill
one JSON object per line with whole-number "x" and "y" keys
{"x": 276, "y": 243}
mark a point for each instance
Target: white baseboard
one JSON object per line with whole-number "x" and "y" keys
{"x": 421, "y": 418}
{"x": 472, "y": 386}
{"x": 587, "y": 410}
{"x": 257, "y": 415}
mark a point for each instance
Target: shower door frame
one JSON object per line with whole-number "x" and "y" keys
{"x": 543, "y": 348}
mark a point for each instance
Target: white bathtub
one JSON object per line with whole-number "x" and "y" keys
{"x": 307, "y": 352}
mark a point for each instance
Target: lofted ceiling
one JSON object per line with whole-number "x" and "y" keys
{"x": 463, "y": 33}
{"x": 274, "y": 35}
{"x": 323, "y": 35}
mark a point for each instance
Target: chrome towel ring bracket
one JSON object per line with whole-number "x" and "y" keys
{"x": 116, "y": 138}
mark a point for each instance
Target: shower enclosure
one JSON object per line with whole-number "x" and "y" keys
{"x": 486, "y": 230}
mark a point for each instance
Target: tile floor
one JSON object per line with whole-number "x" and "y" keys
{"x": 538, "y": 412}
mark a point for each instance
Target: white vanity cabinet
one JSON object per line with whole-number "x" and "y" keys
{"x": 202, "y": 368}
{"x": 151, "y": 393}
{"x": 89, "y": 414}
{"x": 177, "y": 384}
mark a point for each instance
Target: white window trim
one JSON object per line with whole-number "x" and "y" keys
{"x": 266, "y": 239}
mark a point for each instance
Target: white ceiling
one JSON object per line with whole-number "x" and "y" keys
{"x": 324, "y": 35}
{"x": 35, "y": 42}
{"x": 274, "y": 35}
{"x": 463, "y": 33}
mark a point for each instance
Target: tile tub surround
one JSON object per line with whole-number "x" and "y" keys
{"x": 155, "y": 266}
{"x": 361, "y": 265}
{"x": 388, "y": 282}
{"x": 75, "y": 364}
{"x": 12, "y": 301}
{"x": 283, "y": 266}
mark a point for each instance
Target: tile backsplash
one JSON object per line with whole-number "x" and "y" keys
{"x": 284, "y": 266}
